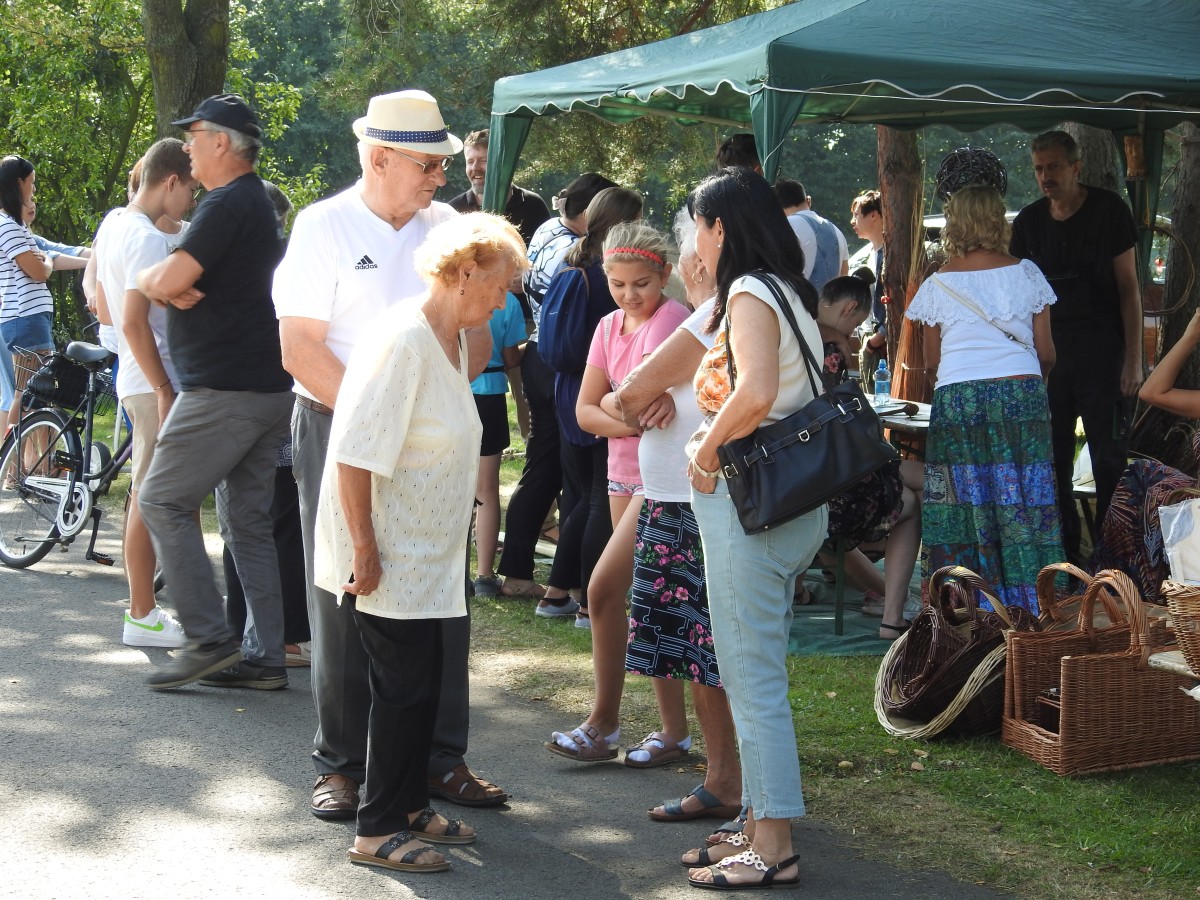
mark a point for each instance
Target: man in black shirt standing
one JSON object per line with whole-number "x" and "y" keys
{"x": 232, "y": 413}
{"x": 1082, "y": 238}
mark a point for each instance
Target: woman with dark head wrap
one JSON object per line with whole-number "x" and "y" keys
{"x": 989, "y": 481}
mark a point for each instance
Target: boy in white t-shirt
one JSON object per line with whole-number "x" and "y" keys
{"x": 146, "y": 379}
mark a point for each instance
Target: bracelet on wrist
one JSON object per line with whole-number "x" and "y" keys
{"x": 166, "y": 383}
{"x": 704, "y": 472}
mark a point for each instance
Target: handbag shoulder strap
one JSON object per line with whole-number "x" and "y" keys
{"x": 814, "y": 371}
{"x": 974, "y": 307}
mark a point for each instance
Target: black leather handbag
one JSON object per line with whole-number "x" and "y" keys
{"x": 790, "y": 467}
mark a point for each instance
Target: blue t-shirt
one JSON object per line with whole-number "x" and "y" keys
{"x": 508, "y": 330}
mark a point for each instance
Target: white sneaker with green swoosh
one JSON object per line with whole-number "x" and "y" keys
{"x": 158, "y": 629}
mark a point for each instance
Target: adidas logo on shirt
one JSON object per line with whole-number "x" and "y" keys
{"x": 366, "y": 263}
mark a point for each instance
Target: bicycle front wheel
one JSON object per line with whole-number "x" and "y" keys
{"x": 38, "y": 465}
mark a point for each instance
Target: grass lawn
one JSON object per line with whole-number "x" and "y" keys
{"x": 973, "y": 808}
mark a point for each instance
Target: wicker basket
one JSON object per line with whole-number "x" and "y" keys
{"x": 1113, "y": 711}
{"x": 1183, "y": 601}
{"x": 946, "y": 672}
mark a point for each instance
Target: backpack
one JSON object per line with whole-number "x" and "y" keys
{"x": 563, "y": 333}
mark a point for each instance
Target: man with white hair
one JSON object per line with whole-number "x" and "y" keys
{"x": 350, "y": 258}
{"x": 231, "y": 414}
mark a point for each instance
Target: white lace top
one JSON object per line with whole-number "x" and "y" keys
{"x": 974, "y": 349}
{"x": 406, "y": 415}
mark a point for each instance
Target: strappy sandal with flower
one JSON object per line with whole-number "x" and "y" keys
{"x": 713, "y": 854}
{"x": 584, "y": 744}
{"x": 770, "y": 874}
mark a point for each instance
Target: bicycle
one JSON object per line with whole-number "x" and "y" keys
{"x": 51, "y": 469}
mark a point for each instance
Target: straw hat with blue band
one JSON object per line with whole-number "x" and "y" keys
{"x": 407, "y": 120}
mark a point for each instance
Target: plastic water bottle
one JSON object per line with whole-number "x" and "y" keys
{"x": 883, "y": 383}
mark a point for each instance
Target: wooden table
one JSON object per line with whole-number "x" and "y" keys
{"x": 908, "y": 432}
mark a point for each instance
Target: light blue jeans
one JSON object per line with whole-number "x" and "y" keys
{"x": 751, "y": 580}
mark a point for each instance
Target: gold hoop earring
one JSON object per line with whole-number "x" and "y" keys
{"x": 698, "y": 277}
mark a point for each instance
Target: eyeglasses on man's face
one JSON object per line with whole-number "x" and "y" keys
{"x": 427, "y": 168}
{"x": 191, "y": 134}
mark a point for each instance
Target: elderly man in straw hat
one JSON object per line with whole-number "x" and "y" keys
{"x": 225, "y": 427}
{"x": 349, "y": 259}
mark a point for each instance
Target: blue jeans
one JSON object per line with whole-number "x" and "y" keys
{"x": 751, "y": 580}
{"x": 224, "y": 441}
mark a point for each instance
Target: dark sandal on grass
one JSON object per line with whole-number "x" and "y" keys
{"x": 452, "y": 835}
{"x": 711, "y": 807}
{"x": 898, "y": 629}
{"x": 406, "y": 863}
{"x": 713, "y": 854}
{"x": 770, "y": 874}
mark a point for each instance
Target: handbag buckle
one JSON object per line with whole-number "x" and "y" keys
{"x": 729, "y": 470}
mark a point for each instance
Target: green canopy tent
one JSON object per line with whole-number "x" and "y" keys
{"x": 1126, "y": 65}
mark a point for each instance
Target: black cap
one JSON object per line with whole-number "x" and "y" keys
{"x": 228, "y": 110}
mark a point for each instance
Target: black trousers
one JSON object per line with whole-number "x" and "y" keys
{"x": 405, "y": 676}
{"x": 1086, "y": 383}
{"x": 585, "y": 528}
{"x": 541, "y": 479}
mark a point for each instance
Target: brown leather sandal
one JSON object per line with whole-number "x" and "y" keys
{"x": 462, "y": 786}
{"x": 334, "y": 797}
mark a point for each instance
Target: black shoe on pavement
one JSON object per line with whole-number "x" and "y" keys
{"x": 245, "y": 674}
{"x": 194, "y": 662}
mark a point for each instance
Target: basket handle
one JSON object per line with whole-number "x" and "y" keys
{"x": 1139, "y": 628}
{"x": 951, "y": 580}
{"x": 1051, "y": 612}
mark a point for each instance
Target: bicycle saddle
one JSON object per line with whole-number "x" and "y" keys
{"x": 86, "y": 354}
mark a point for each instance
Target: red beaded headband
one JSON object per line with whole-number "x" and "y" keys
{"x": 650, "y": 255}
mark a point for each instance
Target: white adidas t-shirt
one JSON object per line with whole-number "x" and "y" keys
{"x": 346, "y": 266}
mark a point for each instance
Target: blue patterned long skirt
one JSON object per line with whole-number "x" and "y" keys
{"x": 990, "y": 501}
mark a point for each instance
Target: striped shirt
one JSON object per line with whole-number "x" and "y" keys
{"x": 20, "y": 295}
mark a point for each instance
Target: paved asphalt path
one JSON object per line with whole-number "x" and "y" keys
{"x": 114, "y": 791}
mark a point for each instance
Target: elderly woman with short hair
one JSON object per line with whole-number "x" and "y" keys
{"x": 394, "y": 515}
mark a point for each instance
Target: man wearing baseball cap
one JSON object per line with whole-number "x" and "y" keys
{"x": 349, "y": 259}
{"x": 225, "y": 426}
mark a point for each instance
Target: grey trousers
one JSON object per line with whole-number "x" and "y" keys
{"x": 224, "y": 441}
{"x": 340, "y": 665}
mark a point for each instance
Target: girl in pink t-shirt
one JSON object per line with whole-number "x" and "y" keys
{"x": 637, "y": 269}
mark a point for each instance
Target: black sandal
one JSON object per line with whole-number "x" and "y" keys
{"x": 899, "y": 629}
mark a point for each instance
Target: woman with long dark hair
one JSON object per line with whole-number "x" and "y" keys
{"x": 28, "y": 308}
{"x": 754, "y": 374}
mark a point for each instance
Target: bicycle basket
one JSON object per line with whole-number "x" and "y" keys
{"x": 59, "y": 382}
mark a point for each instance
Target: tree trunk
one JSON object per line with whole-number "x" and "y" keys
{"x": 188, "y": 47}
{"x": 1159, "y": 434}
{"x": 900, "y": 184}
{"x": 1098, "y": 151}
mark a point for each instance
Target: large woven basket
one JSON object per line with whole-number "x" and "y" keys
{"x": 946, "y": 673}
{"x": 1113, "y": 710}
{"x": 1183, "y": 601}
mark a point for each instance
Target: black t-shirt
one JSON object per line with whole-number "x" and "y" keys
{"x": 525, "y": 209}
{"x": 1076, "y": 255}
{"x": 229, "y": 341}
